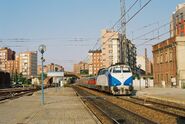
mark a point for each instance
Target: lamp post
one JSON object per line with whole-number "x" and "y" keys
{"x": 42, "y": 49}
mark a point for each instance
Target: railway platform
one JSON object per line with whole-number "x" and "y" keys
{"x": 62, "y": 106}
{"x": 176, "y": 95}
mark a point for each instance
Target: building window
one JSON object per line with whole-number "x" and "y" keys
{"x": 110, "y": 45}
{"x": 181, "y": 16}
{"x": 170, "y": 56}
{"x": 182, "y": 26}
{"x": 161, "y": 77}
{"x": 110, "y": 51}
{"x": 166, "y": 57}
{"x": 177, "y": 19}
{"x": 161, "y": 58}
{"x": 158, "y": 78}
{"x": 182, "y": 34}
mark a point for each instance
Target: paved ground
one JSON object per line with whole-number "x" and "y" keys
{"x": 170, "y": 94}
{"x": 61, "y": 107}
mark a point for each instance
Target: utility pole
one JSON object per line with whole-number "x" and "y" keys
{"x": 123, "y": 32}
{"x": 123, "y": 17}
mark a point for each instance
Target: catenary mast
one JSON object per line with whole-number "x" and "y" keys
{"x": 123, "y": 32}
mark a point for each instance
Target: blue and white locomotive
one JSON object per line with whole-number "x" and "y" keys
{"x": 116, "y": 79}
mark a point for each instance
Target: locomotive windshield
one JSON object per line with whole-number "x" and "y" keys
{"x": 126, "y": 70}
{"x": 120, "y": 69}
{"x": 116, "y": 70}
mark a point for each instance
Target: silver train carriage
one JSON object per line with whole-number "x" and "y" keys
{"x": 116, "y": 79}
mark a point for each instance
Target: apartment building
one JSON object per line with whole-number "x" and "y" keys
{"x": 128, "y": 54}
{"x": 6, "y": 54}
{"x": 116, "y": 50}
{"x": 12, "y": 66}
{"x": 28, "y": 64}
{"x": 169, "y": 67}
{"x": 95, "y": 61}
{"x": 111, "y": 47}
{"x": 177, "y": 26}
{"x": 81, "y": 68}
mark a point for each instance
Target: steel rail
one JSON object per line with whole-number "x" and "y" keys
{"x": 116, "y": 113}
{"x": 157, "y": 106}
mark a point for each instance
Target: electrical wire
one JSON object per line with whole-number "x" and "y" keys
{"x": 125, "y": 23}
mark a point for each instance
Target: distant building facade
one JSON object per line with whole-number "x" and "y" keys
{"x": 6, "y": 54}
{"x": 81, "y": 68}
{"x": 28, "y": 64}
{"x": 169, "y": 67}
{"x": 95, "y": 61}
{"x": 177, "y": 26}
{"x": 12, "y": 66}
{"x": 115, "y": 50}
{"x": 50, "y": 68}
{"x": 146, "y": 64}
{"x": 128, "y": 54}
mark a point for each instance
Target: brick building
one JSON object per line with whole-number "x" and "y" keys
{"x": 95, "y": 61}
{"x": 169, "y": 64}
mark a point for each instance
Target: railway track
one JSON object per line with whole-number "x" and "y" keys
{"x": 169, "y": 108}
{"x": 113, "y": 113}
{"x": 157, "y": 113}
{"x": 12, "y": 93}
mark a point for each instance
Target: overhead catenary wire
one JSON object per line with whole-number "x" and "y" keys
{"x": 156, "y": 29}
{"x": 137, "y": 12}
{"x": 117, "y": 22}
{"x": 153, "y": 30}
{"x": 128, "y": 21}
{"x": 165, "y": 33}
{"x": 153, "y": 38}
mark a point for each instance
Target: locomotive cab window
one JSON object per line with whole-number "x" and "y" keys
{"x": 116, "y": 70}
{"x": 126, "y": 70}
{"x": 102, "y": 72}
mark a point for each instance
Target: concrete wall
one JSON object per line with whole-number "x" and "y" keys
{"x": 4, "y": 80}
{"x": 143, "y": 83}
{"x": 180, "y": 61}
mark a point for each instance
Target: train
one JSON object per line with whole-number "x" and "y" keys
{"x": 116, "y": 80}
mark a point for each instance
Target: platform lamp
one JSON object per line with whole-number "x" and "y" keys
{"x": 42, "y": 49}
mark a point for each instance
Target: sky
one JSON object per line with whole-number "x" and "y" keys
{"x": 69, "y": 28}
